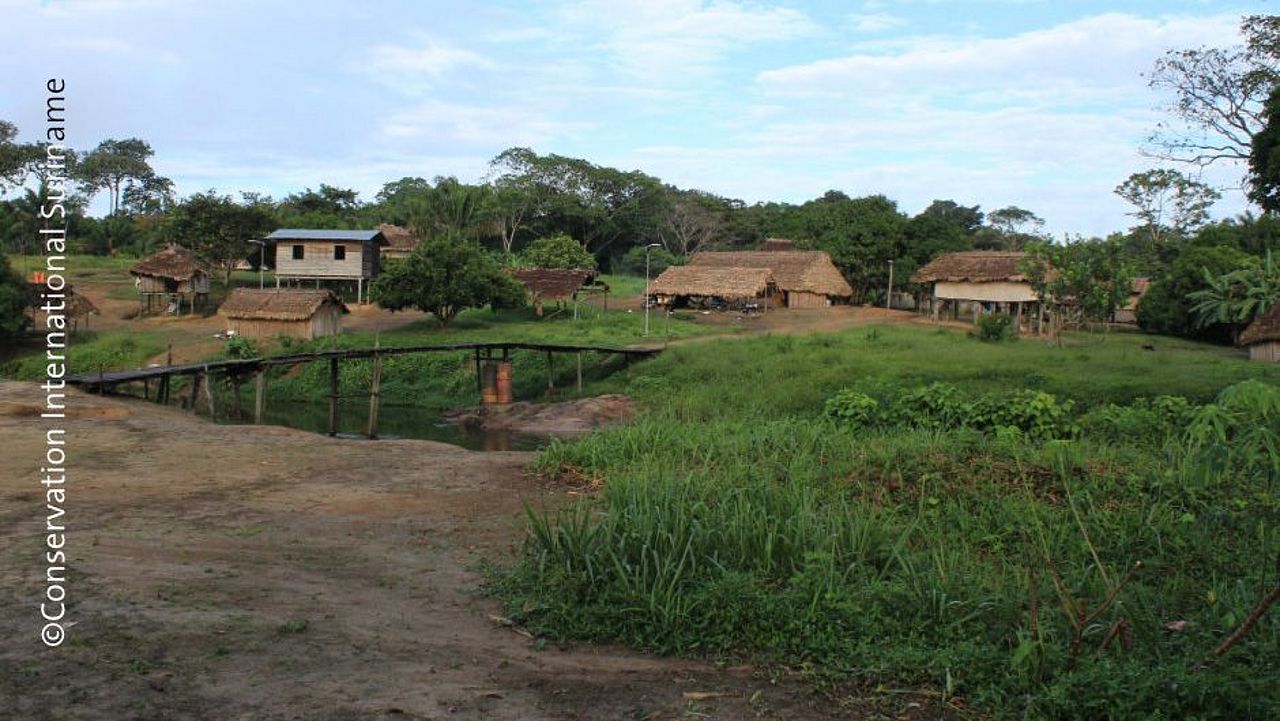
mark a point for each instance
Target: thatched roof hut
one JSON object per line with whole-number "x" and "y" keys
{"x": 400, "y": 241}
{"x": 296, "y": 312}
{"x": 552, "y": 283}
{"x": 975, "y": 266}
{"x": 680, "y": 283}
{"x": 1263, "y": 336}
{"x": 174, "y": 263}
{"x": 807, "y": 278}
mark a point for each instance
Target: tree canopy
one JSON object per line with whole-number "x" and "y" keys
{"x": 443, "y": 276}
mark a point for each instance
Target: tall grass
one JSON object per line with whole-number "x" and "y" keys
{"x": 1084, "y": 578}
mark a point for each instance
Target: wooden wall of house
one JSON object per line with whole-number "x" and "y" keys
{"x": 801, "y": 299}
{"x": 151, "y": 284}
{"x": 197, "y": 284}
{"x": 1269, "y": 351}
{"x": 327, "y": 321}
{"x": 317, "y": 259}
{"x": 372, "y": 260}
{"x": 992, "y": 292}
{"x": 257, "y": 328}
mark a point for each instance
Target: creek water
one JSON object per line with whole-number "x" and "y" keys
{"x": 393, "y": 422}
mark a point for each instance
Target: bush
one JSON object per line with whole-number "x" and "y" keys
{"x": 557, "y": 251}
{"x": 995, "y": 328}
{"x": 659, "y": 260}
{"x": 238, "y": 347}
{"x": 853, "y": 407}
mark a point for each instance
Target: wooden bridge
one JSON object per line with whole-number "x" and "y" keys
{"x": 238, "y": 370}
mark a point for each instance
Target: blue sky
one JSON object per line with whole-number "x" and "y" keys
{"x": 990, "y": 102}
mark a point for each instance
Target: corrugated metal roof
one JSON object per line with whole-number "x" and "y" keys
{"x": 312, "y": 234}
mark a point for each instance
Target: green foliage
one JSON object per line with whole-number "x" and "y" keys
{"x": 443, "y": 276}
{"x": 1264, "y": 157}
{"x": 557, "y": 251}
{"x": 1234, "y": 299}
{"x": 1168, "y": 304}
{"x": 218, "y": 229}
{"x": 14, "y": 297}
{"x": 853, "y": 407}
{"x": 995, "y": 327}
{"x": 239, "y": 347}
{"x": 632, "y": 262}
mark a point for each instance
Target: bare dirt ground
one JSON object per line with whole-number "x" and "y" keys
{"x": 239, "y": 573}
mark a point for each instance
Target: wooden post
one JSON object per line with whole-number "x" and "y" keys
{"x": 208, "y": 394}
{"x": 333, "y": 396}
{"x": 373, "y": 395}
{"x": 196, "y": 380}
{"x": 479, "y": 380}
{"x": 146, "y": 389}
{"x": 579, "y": 371}
{"x": 259, "y": 395}
{"x": 551, "y": 379}
{"x": 235, "y": 398}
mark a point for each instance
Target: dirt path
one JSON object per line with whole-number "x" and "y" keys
{"x": 259, "y": 573}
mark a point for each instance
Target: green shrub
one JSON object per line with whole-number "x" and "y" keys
{"x": 995, "y": 327}
{"x": 853, "y": 407}
{"x": 239, "y": 347}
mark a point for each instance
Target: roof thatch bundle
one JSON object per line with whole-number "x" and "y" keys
{"x": 808, "y": 271}
{"x": 277, "y": 303}
{"x": 1264, "y": 328}
{"x": 774, "y": 245}
{"x": 712, "y": 281}
{"x": 974, "y": 266}
{"x": 79, "y": 306}
{"x": 399, "y": 239}
{"x": 552, "y": 283}
{"x": 173, "y": 263}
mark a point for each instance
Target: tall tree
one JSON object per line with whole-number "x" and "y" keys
{"x": 13, "y": 157}
{"x": 1264, "y": 157}
{"x": 443, "y": 276}
{"x": 693, "y": 220}
{"x": 1167, "y": 202}
{"x": 968, "y": 219}
{"x": 1012, "y": 228}
{"x": 219, "y": 229}
{"x": 14, "y": 298}
{"x": 113, "y": 163}
{"x": 1217, "y": 95}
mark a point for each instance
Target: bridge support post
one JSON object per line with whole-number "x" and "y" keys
{"x": 374, "y": 386}
{"x": 333, "y": 396}
{"x": 259, "y": 395}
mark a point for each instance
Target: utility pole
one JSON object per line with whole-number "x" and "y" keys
{"x": 647, "y": 248}
{"x": 888, "y": 301}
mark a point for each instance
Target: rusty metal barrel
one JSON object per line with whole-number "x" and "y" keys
{"x": 503, "y": 379}
{"x": 489, "y": 386}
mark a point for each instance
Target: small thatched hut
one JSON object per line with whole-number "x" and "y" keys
{"x": 1262, "y": 337}
{"x": 400, "y": 241}
{"x": 295, "y": 312}
{"x": 981, "y": 279}
{"x": 556, "y": 284}
{"x": 806, "y": 278}
{"x": 696, "y": 285}
{"x": 172, "y": 276}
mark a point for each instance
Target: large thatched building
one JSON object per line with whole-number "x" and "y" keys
{"x": 979, "y": 281}
{"x": 697, "y": 285}
{"x": 171, "y": 278}
{"x": 1262, "y": 337}
{"x": 804, "y": 278}
{"x": 295, "y": 312}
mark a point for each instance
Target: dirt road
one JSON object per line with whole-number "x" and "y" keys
{"x": 259, "y": 574}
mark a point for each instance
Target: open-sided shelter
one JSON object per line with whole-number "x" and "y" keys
{"x": 296, "y": 312}
{"x": 698, "y": 285}
{"x": 805, "y": 278}
{"x": 557, "y": 285}
{"x": 981, "y": 279}
{"x": 1262, "y": 337}
{"x": 170, "y": 278}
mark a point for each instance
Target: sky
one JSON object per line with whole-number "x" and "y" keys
{"x": 1039, "y": 104}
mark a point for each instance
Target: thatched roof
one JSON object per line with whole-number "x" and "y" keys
{"x": 975, "y": 266}
{"x": 276, "y": 303}
{"x": 79, "y": 306}
{"x": 1140, "y": 286}
{"x": 773, "y": 245}
{"x": 1264, "y": 328}
{"x": 398, "y": 238}
{"x": 809, "y": 271}
{"x": 552, "y": 283}
{"x": 712, "y": 281}
{"x": 174, "y": 263}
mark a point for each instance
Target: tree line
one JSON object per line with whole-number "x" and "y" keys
{"x": 1224, "y": 107}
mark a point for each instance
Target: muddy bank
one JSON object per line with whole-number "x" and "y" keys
{"x": 552, "y": 419}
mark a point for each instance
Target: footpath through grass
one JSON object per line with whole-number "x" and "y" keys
{"x": 1023, "y": 531}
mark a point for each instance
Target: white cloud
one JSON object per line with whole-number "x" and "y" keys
{"x": 672, "y": 41}
{"x": 875, "y": 22}
{"x": 447, "y": 123}
{"x": 416, "y": 68}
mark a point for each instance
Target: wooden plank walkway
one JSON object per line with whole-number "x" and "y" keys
{"x": 104, "y": 379}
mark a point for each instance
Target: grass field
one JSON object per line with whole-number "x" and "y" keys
{"x": 1041, "y": 537}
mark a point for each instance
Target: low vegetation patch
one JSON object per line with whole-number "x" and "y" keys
{"x": 893, "y": 533}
